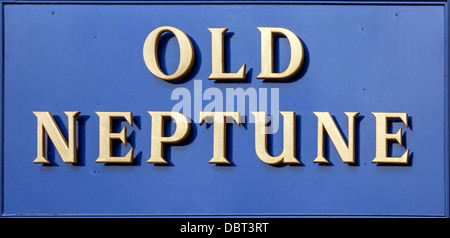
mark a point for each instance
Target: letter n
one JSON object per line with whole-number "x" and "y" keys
{"x": 326, "y": 123}
{"x": 66, "y": 149}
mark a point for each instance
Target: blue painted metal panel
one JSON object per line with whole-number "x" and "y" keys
{"x": 359, "y": 57}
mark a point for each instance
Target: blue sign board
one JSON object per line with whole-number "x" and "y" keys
{"x": 358, "y": 128}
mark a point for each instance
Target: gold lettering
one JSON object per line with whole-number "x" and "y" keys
{"x": 297, "y": 53}
{"x": 382, "y": 138}
{"x": 217, "y": 54}
{"x": 288, "y": 154}
{"x": 66, "y": 149}
{"x": 346, "y": 152}
{"x": 150, "y": 53}
{"x": 219, "y": 156}
{"x": 106, "y": 137}
{"x": 158, "y": 138}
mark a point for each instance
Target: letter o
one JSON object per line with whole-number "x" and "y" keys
{"x": 150, "y": 53}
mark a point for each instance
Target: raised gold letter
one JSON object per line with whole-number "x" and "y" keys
{"x": 220, "y": 133}
{"x": 288, "y": 154}
{"x": 151, "y": 53}
{"x": 158, "y": 138}
{"x": 347, "y": 152}
{"x": 267, "y": 53}
{"x": 67, "y": 150}
{"x": 382, "y": 137}
{"x": 106, "y": 137}
{"x": 218, "y": 57}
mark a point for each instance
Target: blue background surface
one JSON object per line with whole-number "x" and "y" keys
{"x": 88, "y": 58}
